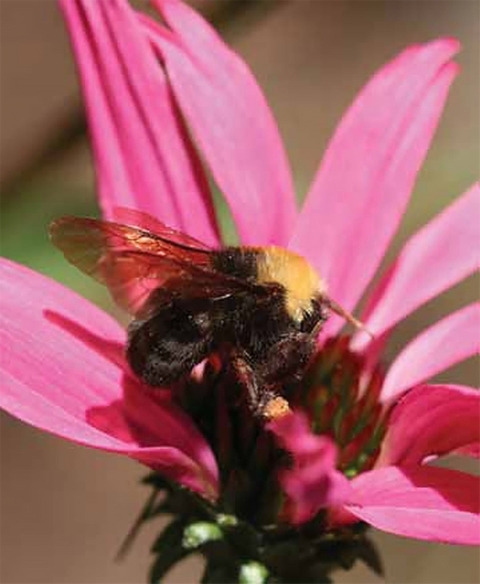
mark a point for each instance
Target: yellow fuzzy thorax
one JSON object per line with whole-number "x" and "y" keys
{"x": 295, "y": 274}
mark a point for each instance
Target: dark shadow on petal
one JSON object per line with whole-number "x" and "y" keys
{"x": 130, "y": 418}
{"x": 111, "y": 419}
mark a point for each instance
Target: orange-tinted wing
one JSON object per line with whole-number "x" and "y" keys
{"x": 146, "y": 222}
{"x": 132, "y": 262}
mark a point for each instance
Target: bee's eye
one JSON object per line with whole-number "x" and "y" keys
{"x": 313, "y": 317}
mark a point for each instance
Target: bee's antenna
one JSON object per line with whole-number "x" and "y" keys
{"x": 337, "y": 309}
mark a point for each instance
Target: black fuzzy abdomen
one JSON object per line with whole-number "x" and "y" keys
{"x": 167, "y": 345}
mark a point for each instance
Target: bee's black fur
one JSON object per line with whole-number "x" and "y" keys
{"x": 239, "y": 262}
{"x": 178, "y": 332}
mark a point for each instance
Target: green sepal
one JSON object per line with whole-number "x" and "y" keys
{"x": 145, "y": 514}
{"x": 168, "y": 549}
{"x": 158, "y": 481}
{"x": 253, "y": 573}
{"x": 216, "y": 573}
{"x": 370, "y": 556}
{"x": 226, "y": 520}
{"x": 200, "y": 533}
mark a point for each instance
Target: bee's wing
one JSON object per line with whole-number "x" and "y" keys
{"x": 159, "y": 230}
{"x": 132, "y": 262}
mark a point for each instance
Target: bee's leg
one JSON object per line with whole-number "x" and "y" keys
{"x": 263, "y": 399}
{"x": 245, "y": 375}
{"x": 286, "y": 361}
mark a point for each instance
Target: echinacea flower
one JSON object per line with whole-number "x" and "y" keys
{"x": 359, "y": 447}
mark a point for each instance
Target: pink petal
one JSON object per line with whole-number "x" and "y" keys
{"x": 63, "y": 371}
{"x": 143, "y": 155}
{"x": 231, "y": 121}
{"x": 368, "y": 172}
{"x": 437, "y": 348}
{"x": 312, "y": 482}
{"x": 436, "y": 258}
{"x": 422, "y": 502}
{"x": 471, "y": 450}
{"x": 431, "y": 420}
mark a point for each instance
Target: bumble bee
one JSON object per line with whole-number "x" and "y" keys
{"x": 259, "y": 307}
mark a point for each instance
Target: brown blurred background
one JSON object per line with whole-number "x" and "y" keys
{"x": 64, "y": 509}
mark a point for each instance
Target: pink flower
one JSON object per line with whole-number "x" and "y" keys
{"x": 62, "y": 359}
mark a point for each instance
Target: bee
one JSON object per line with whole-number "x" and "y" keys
{"x": 260, "y": 308}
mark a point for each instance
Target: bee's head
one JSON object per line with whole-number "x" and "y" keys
{"x": 322, "y": 306}
{"x": 314, "y": 318}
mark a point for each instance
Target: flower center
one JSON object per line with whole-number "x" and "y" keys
{"x": 341, "y": 398}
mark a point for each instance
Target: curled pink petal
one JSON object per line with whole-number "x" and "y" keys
{"x": 143, "y": 155}
{"x": 471, "y": 450}
{"x": 449, "y": 341}
{"x": 368, "y": 172}
{"x": 63, "y": 371}
{"x": 231, "y": 121}
{"x": 312, "y": 482}
{"x": 437, "y": 257}
{"x": 431, "y": 420}
{"x": 422, "y": 502}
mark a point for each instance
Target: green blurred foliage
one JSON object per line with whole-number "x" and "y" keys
{"x": 24, "y": 220}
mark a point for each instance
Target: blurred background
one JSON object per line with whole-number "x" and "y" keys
{"x": 64, "y": 509}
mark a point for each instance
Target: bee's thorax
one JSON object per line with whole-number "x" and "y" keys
{"x": 292, "y": 271}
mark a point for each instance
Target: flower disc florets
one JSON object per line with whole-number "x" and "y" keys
{"x": 341, "y": 399}
{"x": 337, "y": 393}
